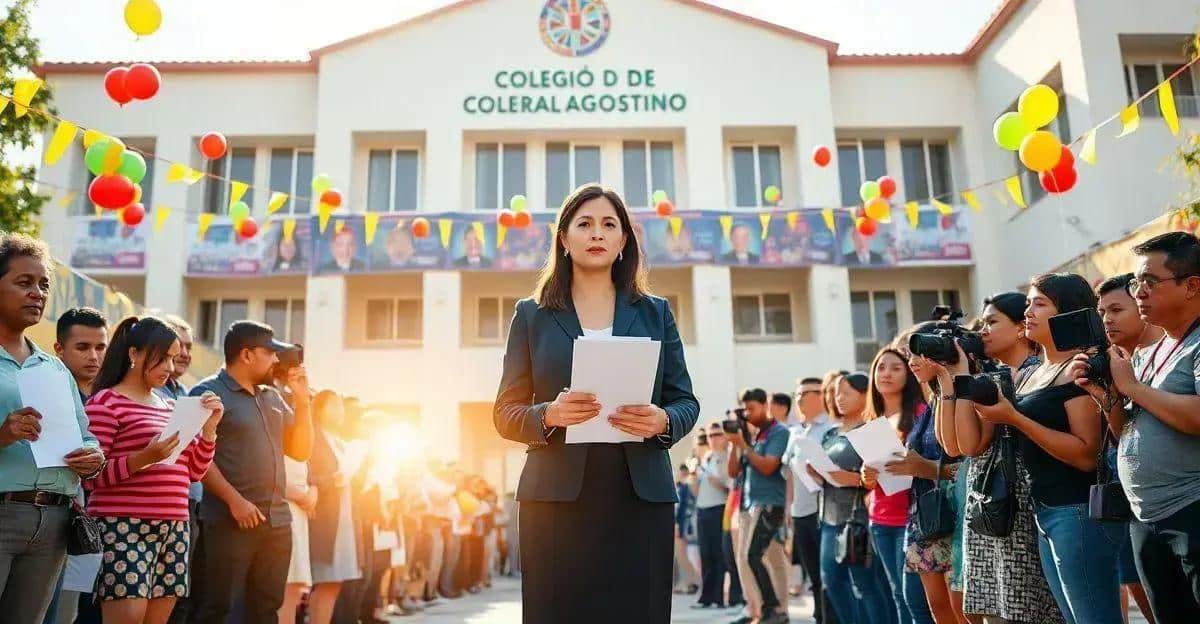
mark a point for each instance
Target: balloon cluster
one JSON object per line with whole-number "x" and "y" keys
{"x": 1038, "y": 149}
{"x": 875, "y": 195}
{"x": 118, "y": 172}
{"x": 517, "y": 215}
{"x": 139, "y": 81}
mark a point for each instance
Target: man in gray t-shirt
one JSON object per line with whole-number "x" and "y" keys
{"x": 1158, "y": 457}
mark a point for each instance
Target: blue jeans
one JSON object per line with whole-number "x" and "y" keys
{"x": 1079, "y": 558}
{"x": 907, "y": 591}
{"x": 856, "y": 593}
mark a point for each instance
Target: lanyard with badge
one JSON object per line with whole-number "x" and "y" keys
{"x": 1143, "y": 378}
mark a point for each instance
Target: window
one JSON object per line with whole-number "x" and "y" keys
{"x": 493, "y": 316}
{"x": 923, "y": 302}
{"x": 755, "y": 167}
{"x": 392, "y": 180}
{"x": 762, "y": 316}
{"x": 394, "y": 320}
{"x": 1140, "y": 78}
{"x": 873, "y": 316}
{"x": 926, "y": 167}
{"x": 859, "y": 161}
{"x": 649, "y": 167}
{"x": 238, "y": 165}
{"x": 499, "y": 174}
{"x": 569, "y": 166}
{"x": 286, "y": 317}
{"x": 292, "y": 173}
{"x": 216, "y": 316}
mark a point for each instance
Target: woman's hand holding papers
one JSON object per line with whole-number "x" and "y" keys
{"x": 571, "y": 408}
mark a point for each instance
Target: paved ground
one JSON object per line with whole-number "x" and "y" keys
{"x": 502, "y": 605}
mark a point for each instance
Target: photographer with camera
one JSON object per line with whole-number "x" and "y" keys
{"x": 764, "y": 495}
{"x": 1158, "y": 457}
{"x": 998, "y": 577}
{"x": 1058, "y": 437}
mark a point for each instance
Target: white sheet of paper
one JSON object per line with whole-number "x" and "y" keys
{"x": 810, "y": 452}
{"x": 619, "y": 371}
{"x": 81, "y": 571}
{"x": 186, "y": 419}
{"x": 877, "y": 444}
{"x": 47, "y": 389}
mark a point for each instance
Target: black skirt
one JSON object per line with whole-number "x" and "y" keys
{"x": 604, "y": 557}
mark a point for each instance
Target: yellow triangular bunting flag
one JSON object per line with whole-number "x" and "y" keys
{"x": 1130, "y": 120}
{"x": 324, "y": 211}
{"x": 827, "y": 214}
{"x": 23, "y": 92}
{"x": 112, "y": 158}
{"x": 1166, "y": 104}
{"x": 479, "y": 233}
{"x": 792, "y": 218}
{"x": 67, "y": 198}
{"x": 370, "y": 224}
{"x": 765, "y": 220}
{"x": 1013, "y": 185}
{"x": 445, "y": 227}
{"x": 501, "y": 232}
{"x": 203, "y": 222}
{"x": 176, "y": 172}
{"x": 914, "y": 214}
{"x": 289, "y": 229}
{"x": 193, "y": 176}
{"x": 64, "y": 134}
{"x": 3, "y": 103}
{"x": 236, "y": 191}
{"x": 277, "y": 202}
{"x": 1088, "y": 153}
{"x": 942, "y": 206}
{"x": 676, "y": 224}
{"x": 726, "y": 225}
{"x": 972, "y": 200}
{"x": 160, "y": 217}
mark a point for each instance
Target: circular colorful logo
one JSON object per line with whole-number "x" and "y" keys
{"x": 574, "y": 27}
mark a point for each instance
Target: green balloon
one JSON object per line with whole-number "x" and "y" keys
{"x": 321, "y": 183}
{"x": 94, "y": 156}
{"x": 518, "y": 203}
{"x": 869, "y": 190}
{"x": 772, "y": 194}
{"x": 239, "y": 211}
{"x": 659, "y": 196}
{"x": 133, "y": 166}
{"x": 1009, "y": 130}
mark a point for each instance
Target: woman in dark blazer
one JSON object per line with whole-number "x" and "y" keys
{"x": 595, "y": 519}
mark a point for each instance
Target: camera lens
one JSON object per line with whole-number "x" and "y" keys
{"x": 937, "y": 348}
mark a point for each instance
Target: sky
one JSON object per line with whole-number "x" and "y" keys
{"x": 93, "y": 30}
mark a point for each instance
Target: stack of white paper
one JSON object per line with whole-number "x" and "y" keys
{"x": 809, "y": 452}
{"x": 877, "y": 444}
{"x": 47, "y": 389}
{"x": 620, "y": 371}
{"x": 187, "y": 419}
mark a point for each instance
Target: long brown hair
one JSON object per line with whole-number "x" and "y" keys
{"x": 911, "y": 397}
{"x": 628, "y": 272}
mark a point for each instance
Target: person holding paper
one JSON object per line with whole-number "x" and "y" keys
{"x": 34, "y": 498}
{"x": 140, "y": 500}
{"x": 596, "y": 519}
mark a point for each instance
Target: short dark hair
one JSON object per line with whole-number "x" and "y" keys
{"x": 86, "y": 317}
{"x": 1120, "y": 282}
{"x": 810, "y": 380}
{"x": 1011, "y": 304}
{"x": 1181, "y": 248}
{"x": 245, "y": 335}
{"x": 784, "y": 399}
{"x": 15, "y": 245}
{"x": 1068, "y": 291}
{"x": 754, "y": 394}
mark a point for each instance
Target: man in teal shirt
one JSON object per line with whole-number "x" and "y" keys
{"x": 34, "y": 503}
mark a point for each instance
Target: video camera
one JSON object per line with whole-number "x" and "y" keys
{"x": 1083, "y": 329}
{"x": 288, "y": 360}
{"x": 937, "y": 343}
{"x": 986, "y": 388}
{"x": 737, "y": 424}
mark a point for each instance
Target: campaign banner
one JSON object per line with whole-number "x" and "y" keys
{"x": 287, "y": 249}
{"x": 222, "y": 252}
{"x": 937, "y": 240}
{"x": 104, "y": 243}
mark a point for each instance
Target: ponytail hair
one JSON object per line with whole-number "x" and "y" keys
{"x": 149, "y": 335}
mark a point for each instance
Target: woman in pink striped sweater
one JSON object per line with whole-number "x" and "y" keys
{"x": 142, "y": 504}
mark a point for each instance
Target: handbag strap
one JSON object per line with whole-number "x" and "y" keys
{"x": 1102, "y": 474}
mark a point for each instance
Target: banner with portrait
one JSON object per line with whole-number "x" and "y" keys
{"x": 279, "y": 249}
{"x": 104, "y": 243}
{"x": 938, "y": 239}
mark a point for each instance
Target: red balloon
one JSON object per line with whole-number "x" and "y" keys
{"x": 114, "y": 84}
{"x": 133, "y": 214}
{"x": 420, "y": 227}
{"x": 507, "y": 218}
{"x": 821, "y": 155}
{"x": 332, "y": 197}
{"x": 142, "y": 81}
{"x": 664, "y": 208}
{"x": 867, "y": 226}
{"x": 1059, "y": 180}
{"x": 522, "y": 219}
{"x": 1067, "y": 160}
{"x": 111, "y": 192}
{"x": 887, "y": 186}
{"x": 213, "y": 145}
{"x": 248, "y": 228}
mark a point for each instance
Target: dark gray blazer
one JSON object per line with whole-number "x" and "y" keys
{"x": 537, "y": 366}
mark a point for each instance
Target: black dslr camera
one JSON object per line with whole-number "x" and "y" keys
{"x": 738, "y": 424}
{"x": 938, "y": 344}
{"x": 1083, "y": 329}
{"x": 986, "y": 388}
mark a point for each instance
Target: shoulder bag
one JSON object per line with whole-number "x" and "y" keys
{"x": 853, "y": 538}
{"x": 935, "y": 515}
{"x": 1106, "y": 499}
{"x": 992, "y": 495}
{"x": 83, "y": 532}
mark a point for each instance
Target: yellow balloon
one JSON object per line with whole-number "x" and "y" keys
{"x": 143, "y": 16}
{"x": 1038, "y": 106}
{"x": 1040, "y": 151}
{"x": 877, "y": 209}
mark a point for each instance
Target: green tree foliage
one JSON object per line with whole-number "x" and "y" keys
{"x": 20, "y": 206}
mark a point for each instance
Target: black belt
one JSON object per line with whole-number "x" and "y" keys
{"x": 38, "y": 498}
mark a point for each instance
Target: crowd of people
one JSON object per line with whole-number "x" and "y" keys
{"x": 289, "y": 505}
{"x": 1053, "y": 479}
